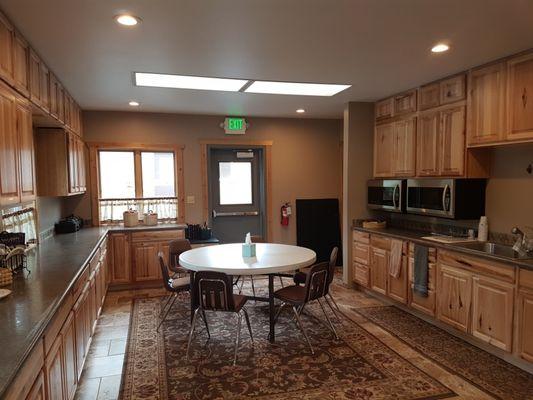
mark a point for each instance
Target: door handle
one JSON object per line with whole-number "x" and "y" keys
{"x": 446, "y": 188}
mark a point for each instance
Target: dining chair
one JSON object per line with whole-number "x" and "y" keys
{"x": 298, "y": 296}
{"x": 213, "y": 291}
{"x": 175, "y": 248}
{"x": 172, "y": 285}
{"x": 300, "y": 277}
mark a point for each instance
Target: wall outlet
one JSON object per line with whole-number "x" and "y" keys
{"x": 190, "y": 199}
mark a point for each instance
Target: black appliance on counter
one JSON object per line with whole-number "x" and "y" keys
{"x": 447, "y": 198}
{"x": 386, "y": 194}
{"x": 69, "y": 224}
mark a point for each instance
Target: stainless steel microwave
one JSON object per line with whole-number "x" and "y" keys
{"x": 386, "y": 194}
{"x": 447, "y": 198}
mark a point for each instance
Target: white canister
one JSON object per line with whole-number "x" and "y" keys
{"x": 131, "y": 218}
{"x": 483, "y": 229}
{"x": 150, "y": 218}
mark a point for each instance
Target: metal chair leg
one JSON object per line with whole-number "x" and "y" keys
{"x": 281, "y": 281}
{"x": 335, "y": 312}
{"x": 279, "y": 311}
{"x": 242, "y": 284}
{"x": 167, "y": 311}
{"x": 238, "y": 338}
{"x": 334, "y": 302}
{"x": 191, "y": 332}
{"x": 166, "y": 304}
{"x": 299, "y": 323}
{"x": 327, "y": 319}
{"x": 204, "y": 317}
{"x": 248, "y": 323}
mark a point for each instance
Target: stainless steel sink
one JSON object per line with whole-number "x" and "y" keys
{"x": 494, "y": 248}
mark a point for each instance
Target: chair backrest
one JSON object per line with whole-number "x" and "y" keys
{"x": 257, "y": 239}
{"x": 316, "y": 281}
{"x": 332, "y": 266}
{"x": 175, "y": 248}
{"x": 164, "y": 271}
{"x": 214, "y": 291}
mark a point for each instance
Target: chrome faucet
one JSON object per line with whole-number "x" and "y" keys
{"x": 523, "y": 244}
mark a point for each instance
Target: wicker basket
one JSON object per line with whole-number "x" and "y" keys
{"x": 6, "y": 277}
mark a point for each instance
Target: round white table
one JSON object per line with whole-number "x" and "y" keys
{"x": 271, "y": 258}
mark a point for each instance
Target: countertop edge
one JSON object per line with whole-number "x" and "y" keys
{"x": 412, "y": 236}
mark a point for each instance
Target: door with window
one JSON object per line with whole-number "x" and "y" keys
{"x": 236, "y": 193}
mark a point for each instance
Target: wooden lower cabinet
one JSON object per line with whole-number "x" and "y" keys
{"x": 397, "y": 287}
{"x": 379, "y": 267}
{"x": 119, "y": 258}
{"x": 68, "y": 337}
{"x": 145, "y": 261}
{"x": 53, "y": 371}
{"x": 80, "y": 326}
{"x": 38, "y": 390}
{"x": 454, "y": 289}
{"x": 426, "y": 304}
{"x": 525, "y": 325}
{"x": 361, "y": 274}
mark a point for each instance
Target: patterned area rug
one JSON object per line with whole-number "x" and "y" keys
{"x": 489, "y": 373}
{"x": 358, "y": 366}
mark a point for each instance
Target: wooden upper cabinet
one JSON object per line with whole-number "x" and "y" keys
{"x": 26, "y": 150}
{"x": 487, "y": 104}
{"x": 44, "y": 81}
{"x": 492, "y": 312}
{"x": 520, "y": 98}
{"x": 404, "y": 148}
{"x": 384, "y": 109}
{"x": 452, "y": 131}
{"x": 21, "y": 53}
{"x": 428, "y": 144}
{"x": 383, "y": 150}
{"x": 405, "y": 103}
{"x": 452, "y": 89}
{"x": 454, "y": 289}
{"x": 39, "y": 76}
{"x": 429, "y": 96}
{"x": 6, "y": 49}
{"x": 9, "y": 151}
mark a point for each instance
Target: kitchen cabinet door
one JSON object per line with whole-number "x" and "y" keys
{"x": 73, "y": 164}
{"x": 44, "y": 81}
{"x": 379, "y": 267}
{"x": 429, "y": 96}
{"x": 53, "y": 371}
{"x": 120, "y": 258}
{"x": 405, "y": 103}
{"x": 397, "y": 287}
{"x": 6, "y": 49}
{"x": 525, "y": 325}
{"x": 37, "y": 391}
{"x": 383, "y": 150}
{"x": 404, "y": 149}
{"x": 454, "y": 293}
{"x": 452, "y": 89}
{"x": 68, "y": 335}
{"x": 520, "y": 98}
{"x": 426, "y": 304}
{"x": 34, "y": 67}
{"x": 80, "y": 329}
{"x": 361, "y": 274}
{"x": 9, "y": 152}
{"x": 26, "y": 150}
{"x": 21, "y": 52}
{"x": 452, "y": 132}
{"x": 487, "y": 104}
{"x": 145, "y": 261}
{"x": 82, "y": 176}
{"x": 492, "y": 312}
{"x": 428, "y": 144}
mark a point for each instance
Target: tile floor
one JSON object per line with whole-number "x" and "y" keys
{"x": 103, "y": 369}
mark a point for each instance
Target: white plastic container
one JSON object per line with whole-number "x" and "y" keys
{"x": 483, "y": 229}
{"x": 131, "y": 218}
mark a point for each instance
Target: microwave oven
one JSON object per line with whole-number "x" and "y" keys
{"x": 386, "y": 194}
{"x": 447, "y": 198}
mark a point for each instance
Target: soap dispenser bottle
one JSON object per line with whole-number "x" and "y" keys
{"x": 483, "y": 229}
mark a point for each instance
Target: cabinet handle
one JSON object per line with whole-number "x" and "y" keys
{"x": 464, "y": 263}
{"x": 460, "y": 302}
{"x": 524, "y": 97}
{"x": 480, "y": 320}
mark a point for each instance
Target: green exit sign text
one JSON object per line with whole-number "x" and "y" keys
{"x": 235, "y": 126}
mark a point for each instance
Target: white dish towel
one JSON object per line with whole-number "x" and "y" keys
{"x": 395, "y": 260}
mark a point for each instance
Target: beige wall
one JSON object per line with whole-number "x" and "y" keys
{"x": 510, "y": 188}
{"x": 306, "y": 154}
{"x": 358, "y": 143}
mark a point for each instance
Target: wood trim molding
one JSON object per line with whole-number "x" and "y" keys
{"x": 267, "y": 144}
{"x": 134, "y": 146}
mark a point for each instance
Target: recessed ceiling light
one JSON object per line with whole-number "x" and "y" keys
{"x": 300, "y": 111}
{"x": 127, "y": 20}
{"x": 440, "y": 48}
{"x": 134, "y": 103}
{"x": 295, "y": 88}
{"x": 188, "y": 82}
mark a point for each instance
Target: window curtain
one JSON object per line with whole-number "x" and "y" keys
{"x": 20, "y": 221}
{"x": 112, "y": 210}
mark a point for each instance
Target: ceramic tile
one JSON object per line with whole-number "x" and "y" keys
{"x": 109, "y": 388}
{"x": 98, "y": 367}
{"x": 87, "y": 388}
{"x": 117, "y": 346}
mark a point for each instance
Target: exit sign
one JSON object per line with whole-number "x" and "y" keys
{"x": 235, "y": 126}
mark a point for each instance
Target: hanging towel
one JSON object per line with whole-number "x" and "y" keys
{"x": 395, "y": 260}
{"x": 421, "y": 270}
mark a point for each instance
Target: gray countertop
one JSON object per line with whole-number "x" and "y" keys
{"x": 416, "y": 236}
{"x": 53, "y": 268}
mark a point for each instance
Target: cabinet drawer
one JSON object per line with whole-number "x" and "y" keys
{"x": 157, "y": 236}
{"x": 361, "y": 237}
{"x": 361, "y": 274}
{"x": 361, "y": 253}
{"x": 380, "y": 242}
{"x": 429, "y": 96}
{"x": 421, "y": 303}
{"x": 432, "y": 268}
{"x": 490, "y": 268}
{"x": 525, "y": 278}
{"x": 452, "y": 89}
{"x": 405, "y": 103}
{"x": 384, "y": 109}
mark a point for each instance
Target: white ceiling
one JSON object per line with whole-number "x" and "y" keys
{"x": 379, "y": 46}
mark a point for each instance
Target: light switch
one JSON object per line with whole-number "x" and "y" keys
{"x": 190, "y": 199}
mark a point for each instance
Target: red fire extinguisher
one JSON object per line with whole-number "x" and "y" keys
{"x": 286, "y": 212}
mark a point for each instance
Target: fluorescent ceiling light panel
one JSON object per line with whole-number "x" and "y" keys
{"x": 188, "y": 82}
{"x": 294, "y": 88}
